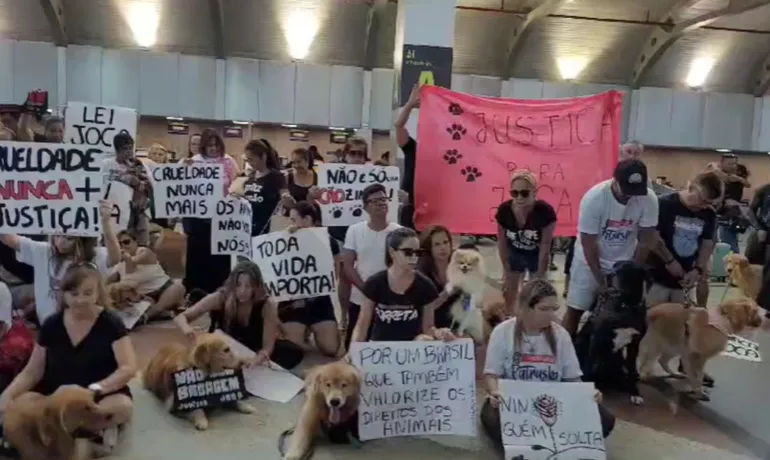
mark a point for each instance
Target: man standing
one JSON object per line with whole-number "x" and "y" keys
{"x": 614, "y": 214}
{"x": 731, "y": 210}
{"x": 686, "y": 224}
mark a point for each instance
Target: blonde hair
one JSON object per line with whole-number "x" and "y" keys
{"x": 525, "y": 175}
{"x": 74, "y": 277}
{"x": 532, "y": 292}
{"x": 157, "y": 153}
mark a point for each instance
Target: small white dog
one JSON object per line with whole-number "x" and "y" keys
{"x": 466, "y": 273}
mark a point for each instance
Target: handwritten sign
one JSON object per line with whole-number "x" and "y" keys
{"x": 231, "y": 228}
{"x": 131, "y": 315}
{"x": 296, "y": 265}
{"x": 341, "y": 187}
{"x": 119, "y": 194}
{"x": 187, "y": 190}
{"x": 97, "y": 125}
{"x": 469, "y": 146}
{"x": 50, "y": 189}
{"x": 548, "y": 420}
{"x": 416, "y": 388}
{"x": 740, "y": 348}
{"x": 193, "y": 389}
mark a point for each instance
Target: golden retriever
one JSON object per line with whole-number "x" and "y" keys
{"x": 331, "y": 399}
{"x": 210, "y": 353}
{"x": 741, "y": 273}
{"x": 49, "y": 427}
{"x": 123, "y": 294}
{"x": 695, "y": 335}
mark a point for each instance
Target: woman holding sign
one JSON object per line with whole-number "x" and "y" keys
{"x": 531, "y": 346}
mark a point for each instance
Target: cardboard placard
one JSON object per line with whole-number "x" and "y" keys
{"x": 416, "y": 388}
{"x": 740, "y": 348}
{"x": 182, "y": 190}
{"x": 50, "y": 188}
{"x": 231, "y": 228}
{"x": 97, "y": 125}
{"x": 195, "y": 390}
{"x": 131, "y": 315}
{"x": 341, "y": 186}
{"x": 120, "y": 195}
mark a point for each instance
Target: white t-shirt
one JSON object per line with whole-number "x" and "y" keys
{"x": 369, "y": 247}
{"x": 37, "y": 254}
{"x": 616, "y": 224}
{"x": 535, "y": 361}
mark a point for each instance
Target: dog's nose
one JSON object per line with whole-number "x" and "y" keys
{"x": 335, "y": 402}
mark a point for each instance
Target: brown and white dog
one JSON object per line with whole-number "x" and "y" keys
{"x": 210, "y": 353}
{"x": 50, "y": 427}
{"x": 746, "y": 276}
{"x": 695, "y": 335}
{"x": 331, "y": 399}
{"x": 123, "y": 294}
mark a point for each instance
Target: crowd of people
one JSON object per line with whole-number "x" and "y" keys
{"x": 391, "y": 278}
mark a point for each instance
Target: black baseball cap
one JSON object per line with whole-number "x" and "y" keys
{"x": 631, "y": 176}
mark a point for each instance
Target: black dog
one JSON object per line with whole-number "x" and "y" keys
{"x": 607, "y": 345}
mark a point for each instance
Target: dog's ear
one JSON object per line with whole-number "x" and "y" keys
{"x": 313, "y": 381}
{"x": 201, "y": 355}
{"x": 54, "y": 419}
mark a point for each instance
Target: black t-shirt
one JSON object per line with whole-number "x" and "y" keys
{"x": 526, "y": 237}
{"x": 760, "y": 205}
{"x": 263, "y": 193}
{"x": 90, "y": 361}
{"x": 683, "y": 231}
{"x": 442, "y": 317}
{"x": 397, "y": 317}
{"x": 299, "y": 192}
{"x": 410, "y": 164}
{"x": 734, "y": 190}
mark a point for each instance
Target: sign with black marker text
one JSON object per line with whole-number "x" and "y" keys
{"x": 193, "y": 389}
{"x": 341, "y": 187}
{"x": 97, "y": 125}
{"x": 119, "y": 194}
{"x": 416, "y": 388}
{"x": 182, "y": 190}
{"x": 50, "y": 188}
{"x": 295, "y": 265}
{"x": 231, "y": 228}
{"x": 740, "y": 348}
{"x": 548, "y": 420}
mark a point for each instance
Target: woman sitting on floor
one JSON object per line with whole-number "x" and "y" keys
{"x": 83, "y": 344}
{"x": 140, "y": 266}
{"x": 242, "y": 309}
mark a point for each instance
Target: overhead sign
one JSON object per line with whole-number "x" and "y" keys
{"x": 424, "y": 65}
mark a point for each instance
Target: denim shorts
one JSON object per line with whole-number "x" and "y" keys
{"x": 520, "y": 261}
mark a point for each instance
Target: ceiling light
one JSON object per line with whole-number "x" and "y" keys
{"x": 723, "y": 150}
{"x": 699, "y": 71}
{"x": 334, "y": 128}
{"x": 143, "y": 18}
{"x": 289, "y": 126}
{"x": 570, "y": 68}
{"x": 299, "y": 29}
{"x": 174, "y": 119}
{"x": 241, "y": 122}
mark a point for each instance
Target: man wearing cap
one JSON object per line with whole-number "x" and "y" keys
{"x": 614, "y": 215}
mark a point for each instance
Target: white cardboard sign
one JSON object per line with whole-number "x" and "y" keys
{"x": 341, "y": 186}
{"x": 416, "y": 388}
{"x": 97, "y": 125}
{"x": 182, "y": 190}
{"x": 740, "y": 348}
{"x": 231, "y": 228}
{"x": 119, "y": 194}
{"x": 549, "y": 420}
{"x": 131, "y": 315}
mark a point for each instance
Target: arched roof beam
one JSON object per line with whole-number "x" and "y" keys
{"x": 518, "y": 35}
{"x": 217, "y": 15}
{"x": 54, "y": 13}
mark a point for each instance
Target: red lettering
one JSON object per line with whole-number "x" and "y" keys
{"x": 331, "y": 196}
{"x": 42, "y": 190}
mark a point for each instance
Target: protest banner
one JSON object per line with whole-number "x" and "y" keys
{"x": 193, "y": 389}
{"x": 50, "y": 189}
{"x": 549, "y": 420}
{"x": 231, "y": 228}
{"x": 416, "y": 388}
{"x": 296, "y": 265}
{"x": 97, "y": 125}
{"x": 119, "y": 194}
{"x": 469, "y": 147}
{"x": 341, "y": 186}
{"x": 182, "y": 190}
{"x": 744, "y": 349}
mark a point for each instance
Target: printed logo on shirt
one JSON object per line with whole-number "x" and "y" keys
{"x": 525, "y": 240}
{"x": 687, "y": 230}
{"x": 616, "y": 232}
{"x": 538, "y": 359}
{"x": 534, "y": 367}
{"x": 252, "y": 191}
{"x": 396, "y": 313}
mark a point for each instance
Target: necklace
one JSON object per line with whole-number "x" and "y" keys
{"x": 529, "y": 344}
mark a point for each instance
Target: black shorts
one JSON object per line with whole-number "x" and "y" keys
{"x": 314, "y": 311}
{"x": 155, "y": 295}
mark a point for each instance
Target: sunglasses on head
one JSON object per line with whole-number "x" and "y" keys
{"x": 520, "y": 193}
{"x": 409, "y": 252}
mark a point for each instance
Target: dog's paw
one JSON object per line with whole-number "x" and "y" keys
{"x": 202, "y": 424}
{"x": 637, "y": 400}
{"x": 676, "y": 375}
{"x": 292, "y": 456}
{"x": 698, "y": 395}
{"x": 245, "y": 408}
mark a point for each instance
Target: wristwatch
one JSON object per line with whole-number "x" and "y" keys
{"x": 97, "y": 390}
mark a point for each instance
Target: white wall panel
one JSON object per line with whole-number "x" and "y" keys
{"x": 686, "y": 119}
{"x": 84, "y": 74}
{"x": 159, "y": 84}
{"x": 462, "y": 83}
{"x": 346, "y": 96}
{"x": 276, "y": 91}
{"x": 242, "y": 89}
{"x": 486, "y": 86}
{"x": 558, "y": 90}
{"x": 197, "y": 87}
{"x": 6, "y": 72}
{"x": 652, "y": 120}
{"x": 120, "y": 78}
{"x": 381, "y": 109}
{"x": 728, "y": 121}
{"x": 312, "y": 94}
{"x": 761, "y": 133}
{"x": 521, "y": 88}
{"x": 35, "y": 65}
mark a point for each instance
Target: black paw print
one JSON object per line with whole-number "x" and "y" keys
{"x": 455, "y": 109}
{"x": 336, "y": 212}
{"x": 457, "y": 131}
{"x": 470, "y": 173}
{"x": 452, "y": 156}
{"x": 356, "y": 210}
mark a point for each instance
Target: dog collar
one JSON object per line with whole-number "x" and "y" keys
{"x": 466, "y": 302}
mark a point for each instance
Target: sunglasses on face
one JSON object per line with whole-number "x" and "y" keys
{"x": 520, "y": 193}
{"x": 409, "y": 252}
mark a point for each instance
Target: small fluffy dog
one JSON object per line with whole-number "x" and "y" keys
{"x": 123, "y": 294}
{"x": 55, "y": 427}
{"x": 466, "y": 273}
{"x": 331, "y": 401}
{"x": 695, "y": 335}
{"x": 741, "y": 273}
{"x": 210, "y": 353}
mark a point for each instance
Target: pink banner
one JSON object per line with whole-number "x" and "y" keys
{"x": 469, "y": 146}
